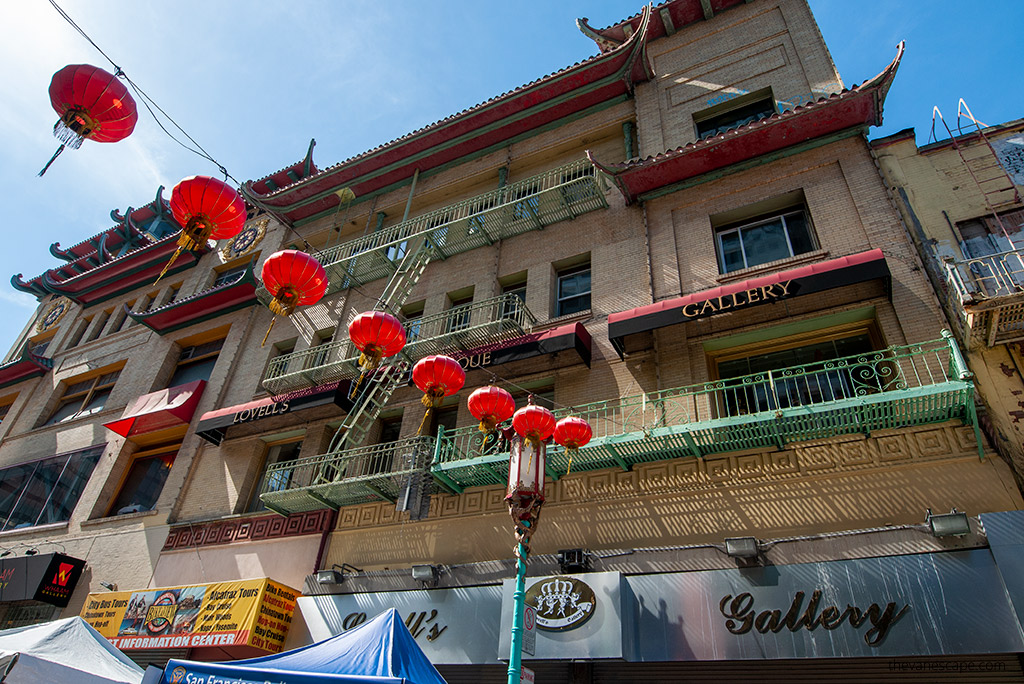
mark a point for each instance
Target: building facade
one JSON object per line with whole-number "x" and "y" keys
{"x": 685, "y": 240}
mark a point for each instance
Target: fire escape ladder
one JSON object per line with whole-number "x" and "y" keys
{"x": 378, "y": 386}
{"x": 986, "y": 170}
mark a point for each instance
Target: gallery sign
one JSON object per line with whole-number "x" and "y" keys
{"x": 244, "y": 613}
{"x": 837, "y": 609}
{"x": 50, "y": 578}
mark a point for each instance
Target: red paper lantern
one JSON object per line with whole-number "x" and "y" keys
{"x": 491, "y": 405}
{"x": 534, "y": 423}
{"x": 91, "y": 103}
{"x": 206, "y": 208}
{"x": 377, "y": 335}
{"x": 572, "y": 432}
{"x": 437, "y": 377}
{"x": 293, "y": 279}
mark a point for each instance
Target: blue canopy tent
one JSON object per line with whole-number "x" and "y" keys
{"x": 381, "y": 651}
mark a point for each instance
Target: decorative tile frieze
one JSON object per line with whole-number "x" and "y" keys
{"x": 258, "y": 528}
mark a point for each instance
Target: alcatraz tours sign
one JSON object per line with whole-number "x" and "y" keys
{"x": 243, "y": 613}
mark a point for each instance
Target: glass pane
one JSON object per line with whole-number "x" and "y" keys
{"x": 12, "y": 483}
{"x": 799, "y": 235}
{"x": 143, "y": 485}
{"x": 764, "y": 243}
{"x": 96, "y": 402}
{"x": 37, "y": 491}
{"x": 732, "y": 251}
{"x": 66, "y": 411}
{"x": 69, "y": 489}
{"x": 200, "y": 370}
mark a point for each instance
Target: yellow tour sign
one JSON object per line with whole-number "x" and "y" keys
{"x": 254, "y": 612}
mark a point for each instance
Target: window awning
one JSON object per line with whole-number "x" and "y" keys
{"x": 213, "y": 425}
{"x": 159, "y": 410}
{"x": 563, "y": 338}
{"x": 824, "y": 275}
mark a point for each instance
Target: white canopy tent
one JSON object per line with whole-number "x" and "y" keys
{"x": 63, "y": 651}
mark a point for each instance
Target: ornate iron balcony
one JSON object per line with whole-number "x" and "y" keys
{"x": 560, "y": 194}
{"x": 464, "y": 327}
{"x": 380, "y": 472}
{"x": 891, "y": 388}
{"x": 985, "y": 297}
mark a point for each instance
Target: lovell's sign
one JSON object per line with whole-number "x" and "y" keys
{"x": 50, "y": 578}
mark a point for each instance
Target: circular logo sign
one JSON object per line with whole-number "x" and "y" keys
{"x": 562, "y": 603}
{"x": 177, "y": 675}
{"x": 161, "y": 613}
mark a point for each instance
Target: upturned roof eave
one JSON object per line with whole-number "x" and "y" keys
{"x": 417, "y": 148}
{"x": 860, "y": 106}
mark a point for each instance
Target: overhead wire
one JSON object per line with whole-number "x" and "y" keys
{"x": 147, "y": 101}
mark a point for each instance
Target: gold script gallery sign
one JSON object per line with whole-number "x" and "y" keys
{"x": 739, "y": 300}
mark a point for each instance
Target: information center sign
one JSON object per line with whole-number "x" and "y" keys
{"x": 253, "y": 612}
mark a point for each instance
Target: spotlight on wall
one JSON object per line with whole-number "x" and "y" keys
{"x": 742, "y": 547}
{"x": 331, "y": 576}
{"x": 109, "y": 586}
{"x": 952, "y": 524}
{"x": 574, "y": 560}
{"x": 31, "y": 552}
{"x": 425, "y": 573}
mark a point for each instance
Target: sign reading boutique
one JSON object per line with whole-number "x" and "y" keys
{"x": 243, "y": 613}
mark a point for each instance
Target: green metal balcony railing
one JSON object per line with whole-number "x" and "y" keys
{"x": 985, "y": 297}
{"x": 560, "y": 194}
{"x": 463, "y": 327}
{"x": 891, "y": 388}
{"x": 379, "y": 472}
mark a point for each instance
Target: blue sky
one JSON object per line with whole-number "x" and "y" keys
{"x": 254, "y": 81}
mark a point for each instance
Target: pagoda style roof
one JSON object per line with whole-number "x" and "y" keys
{"x": 737, "y": 149}
{"x": 201, "y": 306}
{"x": 135, "y": 230}
{"x": 27, "y": 365}
{"x": 666, "y": 19}
{"x": 599, "y": 81}
{"x": 304, "y": 168}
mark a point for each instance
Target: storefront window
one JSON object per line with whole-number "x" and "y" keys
{"x": 144, "y": 482}
{"x": 45, "y": 491}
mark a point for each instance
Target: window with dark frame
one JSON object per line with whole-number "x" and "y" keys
{"x": 45, "y": 491}
{"x": 196, "y": 362}
{"x": 321, "y": 354}
{"x": 224, "y": 277}
{"x": 734, "y": 113}
{"x": 510, "y": 307}
{"x": 412, "y": 315}
{"x": 280, "y": 453}
{"x": 459, "y": 314}
{"x": 144, "y": 481}
{"x": 84, "y": 398}
{"x": 765, "y": 239}
{"x": 4, "y": 410}
{"x": 573, "y": 294}
{"x": 751, "y": 386}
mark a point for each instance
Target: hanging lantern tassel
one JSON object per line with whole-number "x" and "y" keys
{"x": 572, "y": 432}
{"x": 294, "y": 279}
{"x": 377, "y": 335}
{"x": 437, "y": 377}
{"x": 431, "y": 400}
{"x": 52, "y": 159}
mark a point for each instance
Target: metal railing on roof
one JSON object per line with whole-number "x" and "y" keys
{"x": 559, "y": 194}
{"x": 985, "y": 297}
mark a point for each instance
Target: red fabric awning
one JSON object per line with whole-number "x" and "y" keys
{"x": 159, "y": 410}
